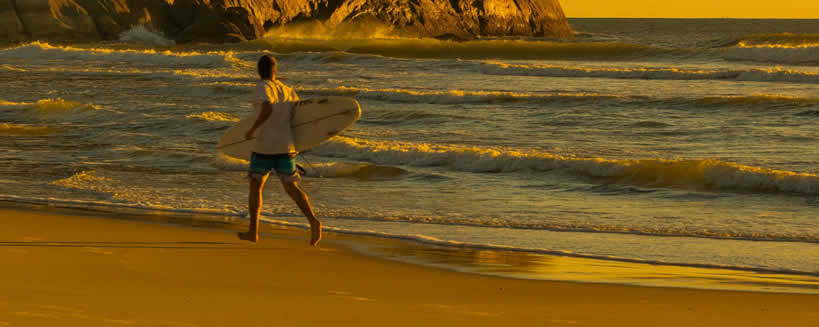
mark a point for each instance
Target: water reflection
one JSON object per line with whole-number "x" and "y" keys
{"x": 564, "y": 268}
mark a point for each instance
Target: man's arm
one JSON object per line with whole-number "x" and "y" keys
{"x": 267, "y": 109}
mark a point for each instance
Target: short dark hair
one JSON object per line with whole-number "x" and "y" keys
{"x": 267, "y": 66}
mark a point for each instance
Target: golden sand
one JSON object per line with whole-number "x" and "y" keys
{"x": 78, "y": 269}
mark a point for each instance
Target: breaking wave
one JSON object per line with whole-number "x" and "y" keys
{"x": 706, "y": 174}
{"x": 782, "y": 47}
{"x": 44, "y": 51}
{"x": 794, "y": 48}
{"x": 204, "y": 75}
{"x": 490, "y": 97}
{"x": 55, "y": 105}
{"x": 4, "y": 103}
{"x": 763, "y": 75}
{"x": 476, "y": 49}
{"x": 780, "y": 40}
{"x": 22, "y": 129}
{"x": 450, "y": 96}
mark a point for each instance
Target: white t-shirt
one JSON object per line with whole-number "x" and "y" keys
{"x": 274, "y": 135}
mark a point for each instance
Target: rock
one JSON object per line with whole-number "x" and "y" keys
{"x": 249, "y": 26}
{"x": 64, "y": 19}
{"x": 11, "y": 28}
{"x": 234, "y": 24}
{"x": 186, "y": 12}
{"x": 113, "y": 17}
{"x": 238, "y": 20}
{"x": 464, "y": 19}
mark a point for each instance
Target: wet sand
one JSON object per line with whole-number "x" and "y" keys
{"x": 70, "y": 268}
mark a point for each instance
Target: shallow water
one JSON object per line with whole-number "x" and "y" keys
{"x": 665, "y": 141}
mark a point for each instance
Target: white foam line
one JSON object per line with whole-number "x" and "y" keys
{"x": 181, "y": 74}
{"x": 424, "y": 239}
{"x": 451, "y": 96}
{"x": 660, "y": 73}
{"x": 601, "y": 230}
{"x": 40, "y": 50}
{"x": 142, "y": 206}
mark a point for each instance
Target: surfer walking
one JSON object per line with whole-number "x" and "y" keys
{"x": 274, "y": 149}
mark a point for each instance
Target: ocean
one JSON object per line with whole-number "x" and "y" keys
{"x": 667, "y": 142}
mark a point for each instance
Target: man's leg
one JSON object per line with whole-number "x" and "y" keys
{"x": 254, "y": 206}
{"x": 294, "y": 191}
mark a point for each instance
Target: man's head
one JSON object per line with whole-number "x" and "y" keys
{"x": 267, "y": 67}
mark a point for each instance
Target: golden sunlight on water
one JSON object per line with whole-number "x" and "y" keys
{"x": 566, "y": 268}
{"x": 640, "y": 151}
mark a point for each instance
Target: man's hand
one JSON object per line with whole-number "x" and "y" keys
{"x": 267, "y": 109}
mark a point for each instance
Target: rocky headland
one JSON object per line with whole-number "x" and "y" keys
{"x": 220, "y": 21}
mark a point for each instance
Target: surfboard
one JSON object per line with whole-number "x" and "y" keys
{"x": 311, "y": 125}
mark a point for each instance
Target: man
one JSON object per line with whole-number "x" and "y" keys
{"x": 274, "y": 149}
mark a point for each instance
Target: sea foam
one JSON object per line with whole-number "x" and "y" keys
{"x": 493, "y": 97}
{"x": 782, "y": 47}
{"x": 654, "y": 73}
{"x": 780, "y": 40}
{"x": 452, "y": 96}
{"x": 141, "y": 35}
{"x": 45, "y": 51}
{"x": 22, "y": 129}
{"x": 52, "y": 105}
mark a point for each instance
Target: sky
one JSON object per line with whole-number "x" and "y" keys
{"x": 692, "y": 8}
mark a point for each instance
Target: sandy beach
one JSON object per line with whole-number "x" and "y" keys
{"x": 90, "y": 269}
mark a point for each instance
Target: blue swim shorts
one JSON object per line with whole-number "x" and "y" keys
{"x": 263, "y": 164}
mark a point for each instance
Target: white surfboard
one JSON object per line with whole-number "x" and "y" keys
{"x": 312, "y": 124}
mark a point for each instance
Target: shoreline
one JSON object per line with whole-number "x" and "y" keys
{"x": 481, "y": 259}
{"x": 88, "y": 269}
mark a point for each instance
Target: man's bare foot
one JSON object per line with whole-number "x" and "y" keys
{"x": 247, "y": 236}
{"x": 315, "y": 232}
